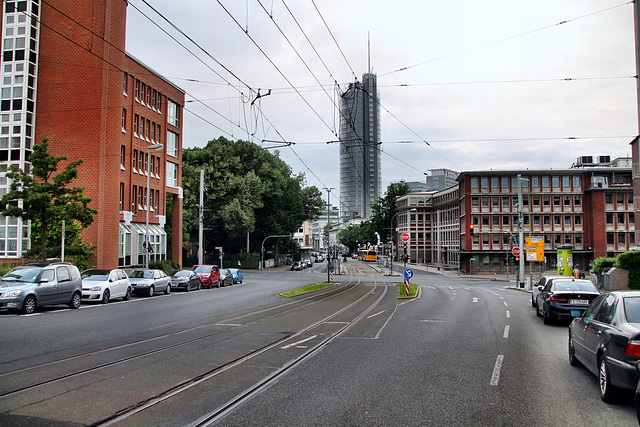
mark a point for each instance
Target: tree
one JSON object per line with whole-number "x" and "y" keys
{"x": 385, "y": 207}
{"x": 43, "y": 196}
{"x": 247, "y": 190}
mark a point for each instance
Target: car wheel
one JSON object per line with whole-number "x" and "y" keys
{"x": 572, "y": 353}
{"x": 218, "y": 285}
{"x": 167, "y": 291}
{"x": 188, "y": 287}
{"x": 608, "y": 392}
{"x": 199, "y": 285}
{"x": 546, "y": 317}
{"x": 106, "y": 295}
{"x": 29, "y": 305}
{"x": 150, "y": 291}
{"x": 127, "y": 295}
{"x": 76, "y": 300}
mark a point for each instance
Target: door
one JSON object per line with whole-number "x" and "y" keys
{"x": 47, "y": 288}
{"x": 65, "y": 285}
{"x": 597, "y": 329}
{"x": 579, "y": 328}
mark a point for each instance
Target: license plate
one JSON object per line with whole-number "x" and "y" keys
{"x": 579, "y": 301}
{"x": 575, "y": 313}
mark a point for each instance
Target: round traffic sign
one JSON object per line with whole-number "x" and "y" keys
{"x": 515, "y": 251}
{"x": 408, "y": 273}
{"x": 404, "y": 237}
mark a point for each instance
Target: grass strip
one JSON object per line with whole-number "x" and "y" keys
{"x": 402, "y": 290}
{"x": 306, "y": 289}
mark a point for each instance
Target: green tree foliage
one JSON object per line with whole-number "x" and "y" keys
{"x": 602, "y": 264}
{"x": 247, "y": 190}
{"x": 630, "y": 261}
{"x": 43, "y": 196}
{"x": 384, "y": 208}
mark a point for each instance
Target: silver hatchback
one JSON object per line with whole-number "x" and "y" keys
{"x": 30, "y": 286}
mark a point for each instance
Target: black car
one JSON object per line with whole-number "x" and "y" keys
{"x": 606, "y": 340}
{"x": 226, "y": 278}
{"x": 185, "y": 279}
{"x": 565, "y": 298}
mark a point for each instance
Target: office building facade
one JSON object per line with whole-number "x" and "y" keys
{"x": 66, "y": 77}
{"x": 360, "y": 164}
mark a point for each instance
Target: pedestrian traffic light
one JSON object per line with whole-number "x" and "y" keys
{"x": 471, "y": 229}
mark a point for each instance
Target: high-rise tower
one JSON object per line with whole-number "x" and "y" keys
{"x": 360, "y": 171}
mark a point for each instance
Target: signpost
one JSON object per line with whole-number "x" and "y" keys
{"x": 408, "y": 274}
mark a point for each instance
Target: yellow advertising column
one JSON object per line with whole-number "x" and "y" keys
{"x": 565, "y": 260}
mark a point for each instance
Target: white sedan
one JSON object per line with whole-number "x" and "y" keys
{"x": 104, "y": 285}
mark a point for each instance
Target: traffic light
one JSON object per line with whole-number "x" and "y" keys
{"x": 471, "y": 229}
{"x": 517, "y": 259}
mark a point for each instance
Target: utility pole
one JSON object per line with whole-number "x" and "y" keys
{"x": 520, "y": 232}
{"x": 201, "y": 220}
{"x": 328, "y": 232}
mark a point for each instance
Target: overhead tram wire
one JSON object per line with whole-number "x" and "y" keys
{"x": 506, "y": 38}
{"x": 334, "y": 39}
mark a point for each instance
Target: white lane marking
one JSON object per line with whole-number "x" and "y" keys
{"x": 467, "y": 289}
{"x": 374, "y": 315}
{"x": 474, "y": 299}
{"x": 505, "y": 304}
{"x": 506, "y": 332}
{"x": 495, "y": 377}
{"x": 432, "y": 321}
{"x": 298, "y": 343}
{"x": 508, "y": 313}
{"x": 229, "y": 324}
{"x": 337, "y": 323}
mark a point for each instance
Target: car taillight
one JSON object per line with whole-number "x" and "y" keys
{"x": 633, "y": 348}
{"x": 557, "y": 298}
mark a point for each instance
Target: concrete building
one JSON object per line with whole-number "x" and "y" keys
{"x": 360, "y": 164}
{"x": 319, "y": 242}
{"x": 66, "y": 77}
{"x": 441, "y": 179}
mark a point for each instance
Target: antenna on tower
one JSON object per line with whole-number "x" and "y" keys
{"x": 369, "y": 50}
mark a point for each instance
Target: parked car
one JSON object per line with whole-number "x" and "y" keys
{"x": 150, "y": 281}
{"x": 565, "y": 298}
{"x": 637, "y": 397}
{"x": 236, "y": 274}
{"x": 30, "y": 286}
{"x": 296, "y": 266}
{"x": 308, "y": 263}
{"x": 606, "y": 340}
{"x": 186, "y": 279}
{"x": 105, "y": 285}
{"x": 540, "y": 286}
{"x": 226, "y": 278}
{"x": 209, "y": 275}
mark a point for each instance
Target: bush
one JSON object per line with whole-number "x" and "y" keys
{"x": 602, "y": 264}
{"x": 630, "y": 261}
{"x": 165, "y": 265}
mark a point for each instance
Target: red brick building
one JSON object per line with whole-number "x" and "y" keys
{"x": 66, "y": 77}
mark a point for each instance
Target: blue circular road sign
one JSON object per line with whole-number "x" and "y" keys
{"x": 408, "y": 273}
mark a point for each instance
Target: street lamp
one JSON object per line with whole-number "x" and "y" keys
{"x": 154, "y": 147}
{"x": 392, "y": 231}
{"x": 328, "y": 231}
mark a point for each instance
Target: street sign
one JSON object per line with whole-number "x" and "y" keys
{"x": 408, "y": 273}
{"x": 515, "y": 251}
{"x": 534, "y": 247}
{"x": 404, "y": 237}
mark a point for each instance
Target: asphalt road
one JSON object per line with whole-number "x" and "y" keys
{"x": 467, "y": 352}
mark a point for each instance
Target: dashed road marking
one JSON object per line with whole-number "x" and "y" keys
{"x": 506, "y": 332}
{"x": 495, "y": 377}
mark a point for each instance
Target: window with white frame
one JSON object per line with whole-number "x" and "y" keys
{"x": 124, "y": 120}
{"x": 172, "y": 174}
{"x": 172, "y": 144}
{"x": 172, "y": 113}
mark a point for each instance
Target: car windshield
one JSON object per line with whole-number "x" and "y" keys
{"x": 632, "y": 309}
{"x": 96, "y": 275}
{"x": 142, "y": 274}
{"x": 203, "y": 269}
{"x": 26, "y": 275}
{"x": 574, "y": 286}
{"x": 233, "y": 271}
{"x": 223, "y": 272}
{"x": 181, "y": 273}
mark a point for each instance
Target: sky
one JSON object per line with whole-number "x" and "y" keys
{"x": 464, "y": 85}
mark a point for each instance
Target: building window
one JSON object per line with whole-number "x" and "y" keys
{"x": 124, "y": 84}
{"x": 122, "y": 156}
{"x": 141, "y": 167}
{"x": 172, "y": 150}
{"x": 545, "y": 181}
{"x": 556, "y": 182}
{"x": 610, "y": 239}
{"x": 567, "y": 239}
{"x": 536, "y": 220}
{"x": 577, "y": 200}
{"x": 142, "y": 92}
{"x": 157, "y": 198}
{"x": 172, "y": 174}
{"x": 566, "y": 182}
{"x": 557, "y": 239}
{"x": 149, "y": 96}
{"x": 124, "y": 120}
{"x": 556, "y": 200}
{"x": 608, "y": 198}
{"x": 153, "y": 99}
{"x": 546, "y": 201}
{"x": 577, "y": 220}
{"x": 505, "y": 183}
{"x": 158, "y": 102}
{"x": 496, "y": 220}
{"x": 578, "y": 239}
{"x": 567, "y": 200}
{"x": 121, "y": 196}
{"x": 137, "y": 90}
{"x": 535, "y": 182}
{"x": 621, "y": 238}
{"x": 505, "y": 202}
{"x": 620, "y": 218}
{"x": 135, "y": 161}
{"x": 136, "y": 120}
{"x": 609, "y": 218}
{"x": 173, "y": 114}
{"x": 153, "y": 164}
{"x": 620, "y": 200}
{"x": 546, "y": 220}
{"x": 505, "y": 220}
{"x": 494, "y": 183}
{"x": 567, "y": 220}
{"x": 485, "y": 202}
{"x": 134, "y": 198}
{"x": 576, "y": 182}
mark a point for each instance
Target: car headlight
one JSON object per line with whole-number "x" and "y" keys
{"x": 11, "y": 294}
{"x": 96, "y": 288}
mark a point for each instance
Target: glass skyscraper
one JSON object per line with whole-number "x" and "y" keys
{"x": 360, "y": 169}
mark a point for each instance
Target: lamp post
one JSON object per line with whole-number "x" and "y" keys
{"x": 154, "y": 147}
{"x": 328, "y": 232}
{"x": 392, "y": 232}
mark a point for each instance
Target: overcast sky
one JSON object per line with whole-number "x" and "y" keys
{"x": 464, "y": 85}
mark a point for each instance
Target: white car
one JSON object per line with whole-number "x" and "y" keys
{"x": 537, "y": 287}
{"x": 105, "y": 285}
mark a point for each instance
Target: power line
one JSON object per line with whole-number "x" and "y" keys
{"x": 504, "y": 39}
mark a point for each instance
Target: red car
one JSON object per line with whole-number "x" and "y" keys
{"x": 209, "y": 275}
